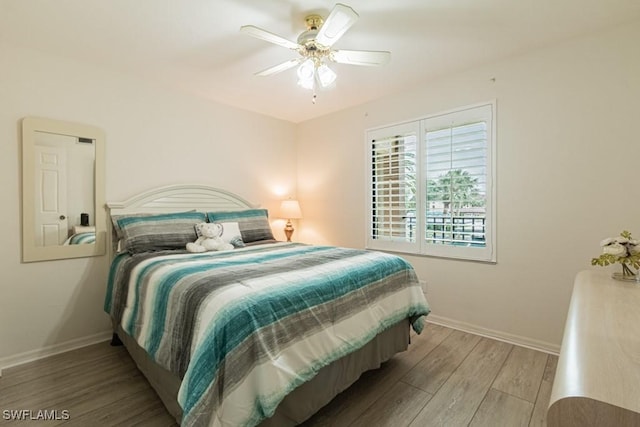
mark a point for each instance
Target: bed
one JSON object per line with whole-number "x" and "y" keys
{"x": 264, "y": 334}
{"x": 85, "y": 238}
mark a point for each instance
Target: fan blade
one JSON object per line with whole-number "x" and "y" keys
{"x": 361, "y": 57}
{"x": 265, "y": 35}
{"x": 280, "y": 67}
{"x": 337, "y": 23}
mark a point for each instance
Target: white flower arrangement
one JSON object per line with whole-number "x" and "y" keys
{"x": 622, "y": 249}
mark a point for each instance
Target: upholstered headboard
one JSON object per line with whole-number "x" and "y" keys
{"x": 174, "y": 198}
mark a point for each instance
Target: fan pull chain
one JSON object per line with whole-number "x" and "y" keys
{"x": 313, "y": 98}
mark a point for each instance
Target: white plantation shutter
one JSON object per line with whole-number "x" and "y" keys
{"x": 392, "y": 190}
{"x": 434, "y": 194}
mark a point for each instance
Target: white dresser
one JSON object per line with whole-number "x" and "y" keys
{"x": 597, "y": 381}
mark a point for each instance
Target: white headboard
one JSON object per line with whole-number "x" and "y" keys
{"x": 174, "y": 198}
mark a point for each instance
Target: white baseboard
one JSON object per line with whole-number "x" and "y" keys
{"x": 30, "y": 356}
{"x": 518, "y": 340}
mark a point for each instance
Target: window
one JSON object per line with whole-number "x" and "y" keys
{"x": 431, "y": 185}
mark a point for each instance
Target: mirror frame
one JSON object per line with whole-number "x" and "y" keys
{"x": 31, "y": 252}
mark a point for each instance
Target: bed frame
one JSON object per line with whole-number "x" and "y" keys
{"x": 305, "y": 400}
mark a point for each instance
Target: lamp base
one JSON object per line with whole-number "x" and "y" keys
{"x": 288, "y": 230}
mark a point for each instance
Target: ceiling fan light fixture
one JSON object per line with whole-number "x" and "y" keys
{"x": 306, "y": 74}
{"x": 314, "y": 47}
{"x": 326, "y": 76}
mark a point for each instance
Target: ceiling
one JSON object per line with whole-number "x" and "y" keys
{"x": 195, "y": 45}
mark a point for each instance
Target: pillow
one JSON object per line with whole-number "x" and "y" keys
{"x": 159, "y": 232}
{"x": 253, "y": 223}
{"x": 117, "y": 231}
{"x": 231, "y": 234}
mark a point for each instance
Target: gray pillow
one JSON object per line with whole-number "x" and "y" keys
{"x": 253, "y": 223}
{"x": 146, "y": 233}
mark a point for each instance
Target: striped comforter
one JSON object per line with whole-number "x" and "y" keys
{"x": 244, "y": 328}
{"x": 81, "y": 239}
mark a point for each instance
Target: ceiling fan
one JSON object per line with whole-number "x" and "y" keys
{"x": 315, "y": 48}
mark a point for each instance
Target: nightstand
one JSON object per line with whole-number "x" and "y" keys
{"x": 84, "y": 229}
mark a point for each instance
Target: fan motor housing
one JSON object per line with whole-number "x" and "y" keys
{"x": 308, "y": 38}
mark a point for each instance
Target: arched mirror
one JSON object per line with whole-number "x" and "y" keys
{"x": 62, "y": 190}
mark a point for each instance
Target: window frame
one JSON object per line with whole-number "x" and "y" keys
{"x": 484, "y": 110}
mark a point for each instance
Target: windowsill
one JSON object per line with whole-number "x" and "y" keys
{"x": 450, "y": 258}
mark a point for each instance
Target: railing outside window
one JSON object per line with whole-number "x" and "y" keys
{"x": 459, "y": 230}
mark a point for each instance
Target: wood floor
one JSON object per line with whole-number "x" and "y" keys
{"x": 446, "y": 378}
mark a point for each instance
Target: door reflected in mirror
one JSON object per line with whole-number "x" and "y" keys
{"x": 62, "y": 186}
{"x": 64, "y": 189}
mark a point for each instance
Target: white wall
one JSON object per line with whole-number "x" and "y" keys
{"x": 568, "y": 157}
{"x": 153, "y": 137}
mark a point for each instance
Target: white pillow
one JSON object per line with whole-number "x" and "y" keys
{"x": 231, "y": 234}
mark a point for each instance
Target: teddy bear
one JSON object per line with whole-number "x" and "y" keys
{"x": 209, "y": 239}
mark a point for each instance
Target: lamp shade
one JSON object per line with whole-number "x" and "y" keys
{"x": 306, "y": 73}
{"x": 326, "y": 76}
{"x": 290, "y": 209}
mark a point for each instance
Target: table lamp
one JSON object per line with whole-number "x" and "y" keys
{"x": 290, "y": 209}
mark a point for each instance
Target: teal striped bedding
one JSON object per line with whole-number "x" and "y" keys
{"x": 243, "y": 328}
{"x": 81, "y": 239}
